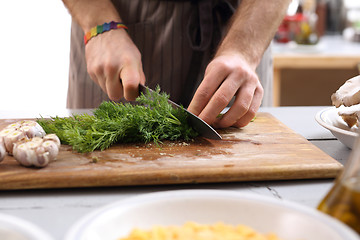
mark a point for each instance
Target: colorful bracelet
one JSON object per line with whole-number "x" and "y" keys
{"x": 101, "y": 29}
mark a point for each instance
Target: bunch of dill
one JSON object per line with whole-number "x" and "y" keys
{"x": 152, "y": 119}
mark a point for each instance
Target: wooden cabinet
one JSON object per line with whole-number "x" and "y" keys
{"x": 308, "y": 75}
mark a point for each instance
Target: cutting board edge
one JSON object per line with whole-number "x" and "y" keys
{"x": 175, "y": 178}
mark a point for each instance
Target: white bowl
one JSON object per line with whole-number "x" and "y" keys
{"x": 330, "y": 119}
{"x": 14, "y": 228}
{"x": 287, "y": 220}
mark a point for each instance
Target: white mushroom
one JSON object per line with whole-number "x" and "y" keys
{"x": 348, "y": 94}
{"x": 350, "y": 115}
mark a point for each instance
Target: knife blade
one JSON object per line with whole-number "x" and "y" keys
{"x": 204, "y": 129}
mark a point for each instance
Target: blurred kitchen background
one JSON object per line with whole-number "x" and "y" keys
{"x": 315, "y": 50}
{"x": 34, "y": 54}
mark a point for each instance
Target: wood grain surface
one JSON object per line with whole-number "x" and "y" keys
{"x": 266, "y": 149}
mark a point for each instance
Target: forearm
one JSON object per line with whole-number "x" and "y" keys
{"x": 90, "y": 13}
{"x": 253, "y": 27}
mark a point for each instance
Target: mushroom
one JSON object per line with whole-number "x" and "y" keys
{"x": 348, "y": 94}
{"x": 350, "y": 115}
{"x": 347, "y": 99}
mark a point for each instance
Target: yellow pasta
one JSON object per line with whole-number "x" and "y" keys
{"x": 195, "y": 231}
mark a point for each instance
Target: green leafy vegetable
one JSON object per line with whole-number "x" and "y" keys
{"x": 152, "y": 119}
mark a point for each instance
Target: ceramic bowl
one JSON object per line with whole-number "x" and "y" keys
{"x": 289, "y": 221}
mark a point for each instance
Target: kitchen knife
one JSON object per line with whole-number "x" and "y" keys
{"x": 204, "y": 129}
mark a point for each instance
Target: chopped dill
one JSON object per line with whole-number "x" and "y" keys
{"x": 151, "y": 119}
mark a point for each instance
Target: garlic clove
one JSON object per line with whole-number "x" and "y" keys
{"x": 2, "y": 150}
{"x": 24, "y": 154}
{"x": 43, "y": 157}
{"x": 51, "y": 148}
{"x": 14, "y": 125}
{"x": 12, "y": 138}
{"x": 35, "y": 142}
{"x": 32, "y": 129}
{"x": 36, "y": 151}
{"x": 54, "y": 138}
{"x": 27, "y": 141}
{"x": 5, "y": 132}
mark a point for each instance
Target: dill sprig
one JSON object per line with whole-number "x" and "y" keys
{"x": 151, "y": 119}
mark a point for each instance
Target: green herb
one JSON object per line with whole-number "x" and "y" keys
{"x": 152, "y": 119}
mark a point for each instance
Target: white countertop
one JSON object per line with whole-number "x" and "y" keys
{"x": 327, "y": 45}
{"x": 55, "y": 211}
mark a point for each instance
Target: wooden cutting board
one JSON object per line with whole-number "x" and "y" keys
{"x": 264, "y": 150}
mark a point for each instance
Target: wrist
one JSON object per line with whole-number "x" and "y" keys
{"x": 88, "y": 15}
{"x": 247, "y": 54}
{"x": 99, "y": 29}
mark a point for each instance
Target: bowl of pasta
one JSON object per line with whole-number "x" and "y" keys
{"x": 204, "y": 214}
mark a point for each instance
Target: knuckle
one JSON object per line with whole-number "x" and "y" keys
{"x": 128, "y": 59}
{"x": 130, "y": 87}
{"x": 110, "y": 68}
{"x": 260, "y": 90}
{"x": 222, "y": 99}
{"x": 239, "y": 124}
{"x": 224, "y": 123}
{"x": 94, "y": 68}
{"x": 251, "y": 113}
{"x": 243, "y": 106}
{"x": 203, "y": 93}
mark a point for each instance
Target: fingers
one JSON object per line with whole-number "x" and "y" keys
{"x": 119, "y": 84}
{"x": 220, "y": 99}
{"x": 240, "y": 107}
{"x": 130, "y": 78}
{"x": 206, "y": 90}
{"x": 228, "y": 76}
{"x": 244, "y": 108}
{"x": 114, "y": 63}
{"x": 250, "y": 114}
{"x": 96, "y": 74}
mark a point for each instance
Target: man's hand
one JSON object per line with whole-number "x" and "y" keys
{"x": 114, "y": 63}
{"x": 232, "y": 71}
{"x": 226, "y": 76}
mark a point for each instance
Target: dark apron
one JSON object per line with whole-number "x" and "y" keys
{"x": 177, "y": 39}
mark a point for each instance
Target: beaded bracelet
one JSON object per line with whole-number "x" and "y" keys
{"x": 102, "y": 28}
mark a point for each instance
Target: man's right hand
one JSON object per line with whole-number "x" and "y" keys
{"x": 114, "y": 63}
